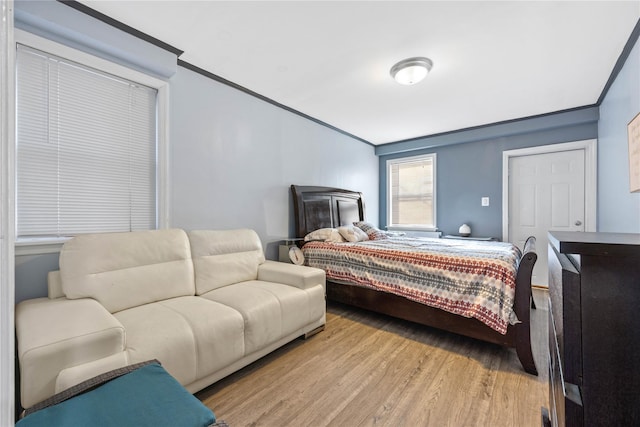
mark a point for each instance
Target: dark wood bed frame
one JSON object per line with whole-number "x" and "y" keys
{"x": 320, "y": 207}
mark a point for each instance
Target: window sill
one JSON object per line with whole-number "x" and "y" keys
{"x": 410, "y": 228}
{"x": 37, "y": 246}
{"x": 413, "y": 231}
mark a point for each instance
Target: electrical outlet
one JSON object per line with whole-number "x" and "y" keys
{"x": 485, "y": 201}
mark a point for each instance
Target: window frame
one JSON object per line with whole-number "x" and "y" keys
{"x": 409, "y": 227}
{"x": 32, "y": 246}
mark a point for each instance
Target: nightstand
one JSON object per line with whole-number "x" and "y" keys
{"x": 283, "y": 249}
{"x": 483, "y": 239}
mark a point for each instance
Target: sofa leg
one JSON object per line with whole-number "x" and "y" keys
{"x": 313, "y": 332}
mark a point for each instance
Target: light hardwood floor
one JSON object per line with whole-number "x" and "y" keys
{"x": 367, "y": 369}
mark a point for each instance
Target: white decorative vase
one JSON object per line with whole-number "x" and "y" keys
{"x": 464, "y": 230}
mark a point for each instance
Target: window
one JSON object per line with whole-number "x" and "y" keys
{"x": 411, "y": 192}
{"x": 87, "y": 148}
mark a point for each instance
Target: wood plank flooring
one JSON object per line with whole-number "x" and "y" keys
{"x": 366, "y": 369}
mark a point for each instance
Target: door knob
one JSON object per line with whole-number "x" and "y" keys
{"x": 578, "y": 222}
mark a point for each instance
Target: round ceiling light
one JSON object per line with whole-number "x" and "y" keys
{"x": 412, "y": 70}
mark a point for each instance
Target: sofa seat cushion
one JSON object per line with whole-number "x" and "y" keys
{"x": 270, "y": 310}
{"x": 124, "y": 270}
{"x": 191, "y": 336}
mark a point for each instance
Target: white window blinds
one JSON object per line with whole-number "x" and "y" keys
{"x": 411, "y": 192}
{"x": 86, "y": 149}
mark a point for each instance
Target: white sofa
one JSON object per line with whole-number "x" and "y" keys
{"x": 204, "y": 303}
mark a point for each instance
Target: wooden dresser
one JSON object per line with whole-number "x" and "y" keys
{"x": 594, "y": 329}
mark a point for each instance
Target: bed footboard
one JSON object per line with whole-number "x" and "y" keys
{"x": 523, "y": 304}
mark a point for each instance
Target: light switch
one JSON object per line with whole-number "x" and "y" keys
{"x": 485, "y": 201}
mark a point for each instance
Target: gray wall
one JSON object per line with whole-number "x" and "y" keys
{"x": 234, "y": 156}
{"x": 31, "y": 275}
{"x": 58, "y": 22}
{"x": 618, "y": 208}
{"x": 471, "y": 168}
{"x": 232, "y": 160}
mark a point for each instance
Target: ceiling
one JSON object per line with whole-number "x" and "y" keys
{"x": 493, "y": 60}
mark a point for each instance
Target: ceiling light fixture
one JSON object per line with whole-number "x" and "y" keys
{"x": 412, "y": 70}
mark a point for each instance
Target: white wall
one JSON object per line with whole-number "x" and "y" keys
{"x": 618, "y": 208}
{"x": 234, "y": 156}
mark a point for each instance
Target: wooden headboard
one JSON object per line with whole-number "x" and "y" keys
{"x": 322, "y": 207}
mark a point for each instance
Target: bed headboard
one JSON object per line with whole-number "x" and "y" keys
{"x": 322, "y": 207}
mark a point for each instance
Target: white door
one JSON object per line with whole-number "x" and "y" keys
{"x": 546, "y": 193}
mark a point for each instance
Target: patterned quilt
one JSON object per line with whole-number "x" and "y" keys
{"x": 470, "y": 278}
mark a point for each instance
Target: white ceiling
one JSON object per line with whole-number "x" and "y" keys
{"x": 493, "y": 60}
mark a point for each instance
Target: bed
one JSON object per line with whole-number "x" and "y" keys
{"x": 317, "y": 208}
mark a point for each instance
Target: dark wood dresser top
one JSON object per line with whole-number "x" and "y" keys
{"x": 598, "y": 244}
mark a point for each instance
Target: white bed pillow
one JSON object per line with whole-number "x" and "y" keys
{"x": 372, "y": 231}
{"x": 335, "y": 237}
{"x": 326, "y": 235}
{"x": 352, "y": 233}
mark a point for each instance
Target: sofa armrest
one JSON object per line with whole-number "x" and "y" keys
{"x": 55, "y": 334}
{"x": 299, "y": 276}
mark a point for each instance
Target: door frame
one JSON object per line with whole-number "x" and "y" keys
{"x": 7, "y": 215}
{"x": 590, "y": 147}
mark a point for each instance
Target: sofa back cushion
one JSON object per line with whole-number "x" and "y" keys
{"x": 224, "y": 257}
{"x": 124, "y": 270}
